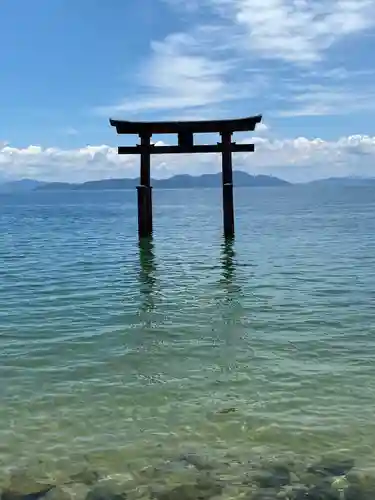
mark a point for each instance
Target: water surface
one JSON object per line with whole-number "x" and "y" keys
{"x": 118, "y": 352}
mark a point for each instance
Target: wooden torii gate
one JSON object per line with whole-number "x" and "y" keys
{"x": 185, "y": 132}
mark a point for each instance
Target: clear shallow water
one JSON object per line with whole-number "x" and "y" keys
{"x": 118, "y": 354}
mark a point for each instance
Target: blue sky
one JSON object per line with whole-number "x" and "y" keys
{"x": 67, "y": 66}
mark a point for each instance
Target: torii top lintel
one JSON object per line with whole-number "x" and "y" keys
{"x": 175, "y": 127}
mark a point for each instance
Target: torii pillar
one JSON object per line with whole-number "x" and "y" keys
{"x": 227, "y": 181}
{"x": 144, "y": 190}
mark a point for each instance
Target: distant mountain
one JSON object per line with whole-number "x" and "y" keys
{"x": 19, "y": 186}
{"x": 56, "y": 186}
{"x": 241, "y": 179}
{"x": 105, "y": 184}
{"x": 344, "y": 182}
{"x": 182, "y": 181}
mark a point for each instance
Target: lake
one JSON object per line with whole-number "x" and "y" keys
{"x": 123, "y": 356}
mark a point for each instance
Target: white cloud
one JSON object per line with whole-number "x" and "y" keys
{"x": 238, "y": 51}
{"x": 297, "y": 159}
{"x": 296, "y": 31}
{"x": 178, "y": 76}
{"x": 320, "y": 101}
{"x": 262, "y": 128}
{"x": 334, "y": 92}
{"x": 71, "y": 131}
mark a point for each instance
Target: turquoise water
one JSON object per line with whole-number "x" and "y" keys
{"x": 118, "y": 354}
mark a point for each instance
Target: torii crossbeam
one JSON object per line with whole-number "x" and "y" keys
{"x": 185, "y": 131}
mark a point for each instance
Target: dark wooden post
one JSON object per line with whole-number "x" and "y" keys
{"x": 145, "y": 189}
{"x": 227, "y": 179}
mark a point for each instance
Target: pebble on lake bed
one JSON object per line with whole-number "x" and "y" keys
{"x": 192, "y": 476}
{"x": 227, "y": 410}
{"x": 197, "y": 461}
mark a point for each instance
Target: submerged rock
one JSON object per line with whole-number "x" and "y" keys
{"x": 199, "y": 462}
{"x": 22, "y": 486}
{"x": 58, "y": 493}
{"x": 357, "y": 492}
{"x": 185, "y": 492}
{"x": 107, "y": 491}
{"x": 182, "y": 492}
{"x": 77, "y": 491}
{"x": 331, "y": 466}
{"x": 8, "y": 494}
{"x": 203, "y": 489}
{"x": 266, "y": 494}
{"x": 360, "y": 486}
{"x": 86, "y": 476}
{"x": 273, "y": 476}
{"x": 323, "y": 491}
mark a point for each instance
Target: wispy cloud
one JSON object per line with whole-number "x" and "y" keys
{"x": 71, "y": 131}
{"x": 295, "y": 31}
{"x": 241, "y": 50}
{"x": 321, "y": 101}
{"x": 178, "y": 76}
{"x": 334, "y": 92}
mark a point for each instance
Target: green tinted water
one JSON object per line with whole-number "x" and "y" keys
{"x": 119, "y": 354}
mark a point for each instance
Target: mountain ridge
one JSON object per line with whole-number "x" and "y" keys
{"x": 22, "y": 185}
{"x": 344, "y": 181}
{"x": 179, "y": 181}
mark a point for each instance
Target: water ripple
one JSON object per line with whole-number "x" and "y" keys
{"x": 105, "y": 344}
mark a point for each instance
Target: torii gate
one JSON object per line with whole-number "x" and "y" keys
{"x": 185, "y": 131}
